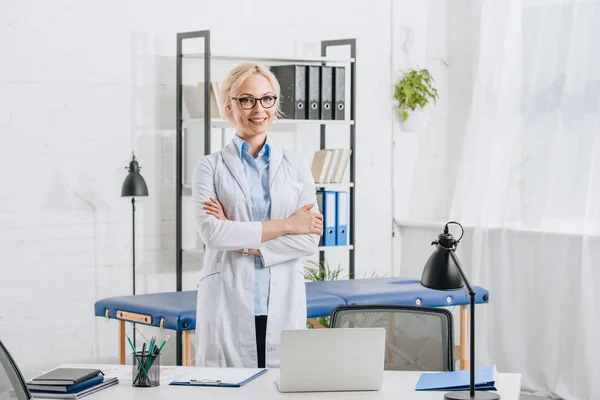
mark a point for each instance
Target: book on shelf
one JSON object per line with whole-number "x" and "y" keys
{"x": 329, "y": 165}
{"x": 193, "y": 100}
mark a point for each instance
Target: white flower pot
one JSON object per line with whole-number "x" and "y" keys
{"x": 416, "y": 121}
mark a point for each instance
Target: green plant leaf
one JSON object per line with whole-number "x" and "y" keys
{"x": 414, "y": 91}
{"x": 404, "y": 115}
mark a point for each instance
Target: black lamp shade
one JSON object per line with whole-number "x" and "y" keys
{"x": 440, "y": 273}
{"x": 134, "y": 184}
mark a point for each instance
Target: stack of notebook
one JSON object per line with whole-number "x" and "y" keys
{"x": 69, "y": 383}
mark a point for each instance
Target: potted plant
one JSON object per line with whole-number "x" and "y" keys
{"x": 414, "y": 91}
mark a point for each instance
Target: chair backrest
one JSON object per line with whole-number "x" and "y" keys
{"x": 417, "y": 338}
{"x": 12, "y": 383}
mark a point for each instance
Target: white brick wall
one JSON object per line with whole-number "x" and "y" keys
{"x": 82, "y": 84}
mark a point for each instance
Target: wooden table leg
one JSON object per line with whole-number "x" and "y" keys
{"x": 464, "y": 328}
{"x": 121, "y": 341}
{"x": 315, "y": 323}
{"x": 187, "y": 349}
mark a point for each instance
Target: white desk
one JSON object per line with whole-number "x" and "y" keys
{"x": 397, "y": 385}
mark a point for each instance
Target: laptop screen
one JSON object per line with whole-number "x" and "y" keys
{"x": 12, "y": 383}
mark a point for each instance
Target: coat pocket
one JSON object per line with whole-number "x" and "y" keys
{"x": 207, "y": 277}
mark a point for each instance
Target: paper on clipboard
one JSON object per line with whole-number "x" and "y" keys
{"x": 206, "y": 376}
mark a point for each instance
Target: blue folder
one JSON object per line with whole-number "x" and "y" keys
{"x": 458, "y": 380}
{"x": 341, "y": 218}
{"x": 329, "y": 233}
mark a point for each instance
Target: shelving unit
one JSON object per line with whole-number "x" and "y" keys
{"x": 209, "y": 123}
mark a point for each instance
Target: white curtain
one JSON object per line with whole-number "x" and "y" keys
{"x": 528, "y": 184}
{"x": 527, "y": 188}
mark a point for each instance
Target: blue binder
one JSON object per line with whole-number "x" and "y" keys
{"x": 329, "y": 217}
{"x": 341, "y": 218}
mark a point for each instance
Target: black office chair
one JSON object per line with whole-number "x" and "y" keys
{"x": 12, "y": 383}
{"x": 417, "y": 338}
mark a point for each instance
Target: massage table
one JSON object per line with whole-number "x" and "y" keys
{"x": 177, "y": 310}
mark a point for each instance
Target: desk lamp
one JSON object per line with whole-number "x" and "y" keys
{"x": 440, "y": 274}
{"x": 133, "y": 185}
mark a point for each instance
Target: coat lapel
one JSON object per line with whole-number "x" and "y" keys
{"x": 274, "y": 163}
{"x": 231, "y": 158}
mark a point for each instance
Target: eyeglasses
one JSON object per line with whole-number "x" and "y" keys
{"x": 248, "y": 103}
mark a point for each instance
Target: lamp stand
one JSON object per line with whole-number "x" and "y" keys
{"x": 471, "y": 393}
{"x": 133, "y": 253}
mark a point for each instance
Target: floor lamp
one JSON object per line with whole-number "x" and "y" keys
{"x": 134, "y": 186}
{"x": 440, "y": 274}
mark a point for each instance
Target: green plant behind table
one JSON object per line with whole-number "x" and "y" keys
{"x": 414, "y": 91}
{"x": 320, "y": 271}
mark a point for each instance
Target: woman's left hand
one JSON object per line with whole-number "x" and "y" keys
{"x": 213, "y": 207}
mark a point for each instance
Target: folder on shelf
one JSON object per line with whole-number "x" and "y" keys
{"x": 458, "y": 380}
{"x": 326, "y": 92}
{"x": 329, "y": 232}
{"x": 219, "y": 377}
{"x": 314, "y": 93}
{"x": 292, "y": 80}
{"x": 341, "y": 218}
{"x": 339, "y": 92}
{"x": 320, "y": 165}
{"x": 320, "y": 196}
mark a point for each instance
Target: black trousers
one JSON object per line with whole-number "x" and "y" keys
{"x": 261, "y": 337}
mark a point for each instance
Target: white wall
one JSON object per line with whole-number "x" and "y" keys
{"x": 82, "y": 84}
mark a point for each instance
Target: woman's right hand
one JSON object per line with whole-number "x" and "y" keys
{"x": 303, "y": 221}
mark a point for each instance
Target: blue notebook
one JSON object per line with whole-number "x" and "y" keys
{"x": 458, "y": 380}
{"x": 219, "y": 377}
{"x": 67, "y": 389}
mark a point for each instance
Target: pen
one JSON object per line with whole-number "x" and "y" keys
{"x": 163, "y": 344}
{"x": 138, "y": 359}
{"x": 150, "y": 353}
{"x": 158, "y": 350}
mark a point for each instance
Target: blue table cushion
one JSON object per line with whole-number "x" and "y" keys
{"x": 177, "y": 308}
{"x": 394, "y": 291}
{"x": 320, "y": 304}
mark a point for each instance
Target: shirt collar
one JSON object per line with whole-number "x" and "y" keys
{"x": 243, "y": 146}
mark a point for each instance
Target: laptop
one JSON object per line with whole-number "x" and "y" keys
{"x": 330, "y": 360}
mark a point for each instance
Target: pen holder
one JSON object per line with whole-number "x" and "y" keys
{"x": 145, "y": 370}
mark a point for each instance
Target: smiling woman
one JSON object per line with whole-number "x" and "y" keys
{"x": 255, "y": 209}
{"x": 247, "y": 85}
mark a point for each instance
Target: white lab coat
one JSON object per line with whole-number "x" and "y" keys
{"x": 225, "y": 325}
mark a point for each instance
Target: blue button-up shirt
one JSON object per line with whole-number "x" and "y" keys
{"x": 257, "y": 175}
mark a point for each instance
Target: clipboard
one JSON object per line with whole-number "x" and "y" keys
{"x": 219, "y": 377}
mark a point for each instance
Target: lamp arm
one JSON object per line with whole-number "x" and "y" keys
{"x": 462, "y": 274}
{"x": 472, "y": 344}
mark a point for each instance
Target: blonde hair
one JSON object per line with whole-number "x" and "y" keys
{"x": 236, "y": 77}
